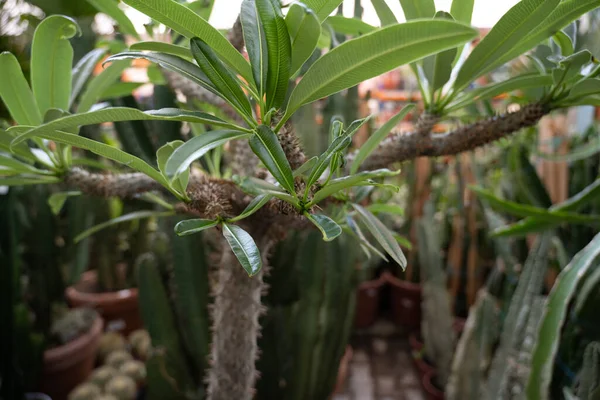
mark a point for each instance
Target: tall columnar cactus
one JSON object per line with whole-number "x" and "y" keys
{"x": 589, "y": 377}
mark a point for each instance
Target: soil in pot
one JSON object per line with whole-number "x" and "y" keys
{"x": 120, "y": 309}
{"x": 406, "y": 301}
{"x": 431, "y": 387}
{"x": 70, "y": 364}
{"x": 367, "y": 302}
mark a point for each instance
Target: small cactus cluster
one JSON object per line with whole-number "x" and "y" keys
{"x": 69, "y": 324}
{"x": 120, "y": 374}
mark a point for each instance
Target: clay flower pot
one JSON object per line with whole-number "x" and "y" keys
{"x": 343, "y": 370}
{"x": 367, "y": 302}
{"x": 431, "y": 390}
{"x": 119, "y": 309}
{"x": 69, "y": 365}
{"x": 406, "y": 301}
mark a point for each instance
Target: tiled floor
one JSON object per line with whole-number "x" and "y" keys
{"x": 381, "y": 367}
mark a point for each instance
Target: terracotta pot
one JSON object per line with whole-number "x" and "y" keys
{"x": 367, "y": 302}
{"x": 406, "y": 302}
{"x": 343, "y": 370}
{"x": 431, "y": 390}
{"x": 69, "y": 365}
{"x": 119, "y": 309}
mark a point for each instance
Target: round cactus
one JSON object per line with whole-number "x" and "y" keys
{"x": 134, "y": 369}
{"x": 140, "y": 343}
{"x": 85, "y": 391}
{"x": 122, "y": 387}
{"x": 109, "y": 343}
{"x": 102, "y": 375}
{"x": 118, "y": 358}
{"x": 107, "y": 397}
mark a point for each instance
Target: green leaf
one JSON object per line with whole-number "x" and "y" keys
{"x": 123, "y": 218}
{"x": 28, "y": 180}
{"x": 189, "y": 24}
{"x": 257, "y": 187}
{"x": 386, "y": 208}
{"x": 256, "y": 204}
{"x": 383, "y": 236}
{"x": 335, "y": 185}
{"x": 340, "y": 143}
{"x": 15, "y": 92}
{"x": 402, "y": 241}
{"x": 323, "y": 8}
{"x": 224, "y": 81}
{"x": 375, "y": 139}
{"x": 256, "y": 44}
{"x": 83, "y": 70}
{"x": 326, "y": 225}
{"x": 162, "y": 47}
{"x": 506, "y": 36}
{"x": 385, "y": 15}
{"x": 523, "y": 210}
{"x": 243, "y": 247}
{"x": 119, "y": 89}
{"x": 193, "y": 149}
{"x": 100, "y": 83}
{"x": 373, "y": 54}
{"x": 57, "y": 200}
{"x": 51, "y": 62}
{"x": 266, "y": 146}
{"x": 495, "y": 89}
{"x": 15, "y": 165}
{"x": 116, "y": 114}
{"x": 576, "y": 154}
{"x": 162, "y": 156}
{"x": 414, "y": 9}
{"x": 111, "y": 8}
{"x": 304, "y": 28}
{"x": 587, "y": 87}
{"x": 564, "y": 43}
{"x": 438, "y": 67}
{"x": 555, "y": 314}
{"x": 190, "y": 226}
{"x": 462, "y": 10}
{"x": 279, "y": 51}
{"x": 308, "y": 165}
{"x": 349, "y": 26}
{"x": 356, "y": 229}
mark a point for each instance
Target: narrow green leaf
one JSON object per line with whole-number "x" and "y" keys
{"x": 51, "y": 62}
{"x": 381, "y": 233}
{"x": 243, "y": 247}
{"x": 116, "y": 114}
{"x": 335, "y": 185}
{"x": 100, "y": 83}
{"x": 123, "y": 218}
{"x": 371, "y": 144}
{"x": 323, "y": 8}
{"x": 257, "y": 187}
{"x": 386, "y": 208}
{"x": 356, "y": 229}
{"x": 587, "y": 87}
{"x": 256, "y": 204}
{"x": 375, "y": 53}
{"x": 508, "y": 33}
{"x": 83, "y": 70}
{"x": 414, "y": 9}
{"x": 564, "y": 43}
{"x": 495, "y": 89}
{"x": 57, "y": 200}
{"x": 189, "y": 24}
{"x": 190, "y": 226}
{"x": 384, "y": 13}
{"x": 28, "y": 180}
{"x": 15, "y": 165}
{"x": 324, "y": 159}
{"x": 462, "y": 10}
{"x": 438, "y": 67}
{"x": 278, "y": 49}
{"x": 266, "y": 146}
{"x": 162, "y": 47}
{"x": 304, "y": 28}
{"x": 193, "y": 149}
{"x": 15, "y": 92}
{"x": 349, "y": 26}
{"x": 307, "y": 166}
{"x": 111, "y": 8}
{"x": 226, "y": 83}
{"x": 326, "y": 225}
{"x": 555, "y": 313}
{"x": 162, "y": 156}
{"x": 256, "y": 44}
{"x": 576, "y": 154}
{"x": 119, "y": 89}
{"x": 403, "y": 241}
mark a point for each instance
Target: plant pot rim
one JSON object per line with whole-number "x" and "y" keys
{"x": 428, "y": 385}
{"x": 373, "y": 284}
{"x": 400, "y": 283}
{"x": 68, "y": 354}
{"x": 126, "y": 298}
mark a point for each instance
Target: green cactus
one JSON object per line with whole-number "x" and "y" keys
{"x": 85, "y": 391}
{"x": 589, "y": 377}
{"x": 122, "y": 387}
{"x": 102, "y": 375}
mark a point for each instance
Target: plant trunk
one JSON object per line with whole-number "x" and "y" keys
{"x": 237, "y": 307}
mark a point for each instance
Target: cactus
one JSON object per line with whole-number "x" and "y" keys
{"x": 85, "y": 391}
{"x": 110, "y": 342}
{"x": 134, "y": 369}
{"x": 140, "y": 343}
{"x": 122, "y": 387}
{"x": 589, "y": 377}
{"x": 102, "y": 375}
{"x": 118, "y": 358}
{"x": 72, "y": 324}
{"x": 438, "y": 334}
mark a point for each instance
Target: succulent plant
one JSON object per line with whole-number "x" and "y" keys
{"x": 109, "y": 343}
{"x": 140, "y": 343}
{"x": 102, "y": 375}
{"x": 72, "y": 324}
{"x": 134, "y": 369}
{"x": 117, "y": 358}
{"x": 122, "y": 387}
{"x": 85, "y": 391}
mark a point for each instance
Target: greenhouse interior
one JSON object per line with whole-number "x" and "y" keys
{"x": 299, "y": 200}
